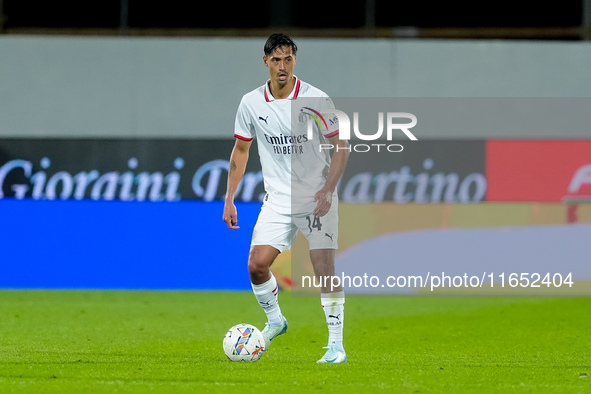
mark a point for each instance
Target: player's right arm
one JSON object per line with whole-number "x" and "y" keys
{"x": 238, "y": 160}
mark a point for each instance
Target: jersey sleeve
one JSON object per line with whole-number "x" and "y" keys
{"x": 331, "y": 119}
{"x": 324, "y": 121}
{"x": 243, "y": 127}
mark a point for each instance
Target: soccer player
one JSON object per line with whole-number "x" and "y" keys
{"x": 300, "y": 179}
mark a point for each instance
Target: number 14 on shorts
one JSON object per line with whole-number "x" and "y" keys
{"x": 313, "y": 223}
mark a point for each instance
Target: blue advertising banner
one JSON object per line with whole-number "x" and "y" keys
{"x": 123, "y": 245}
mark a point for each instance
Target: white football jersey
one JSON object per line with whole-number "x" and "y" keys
{"x": 294, "y": 165}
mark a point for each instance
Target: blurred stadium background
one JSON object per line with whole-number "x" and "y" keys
{"x": 116, "y": 122}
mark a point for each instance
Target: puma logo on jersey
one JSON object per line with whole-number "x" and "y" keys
{"x": 264, "y": 119}
{"x": 329, "y": 236}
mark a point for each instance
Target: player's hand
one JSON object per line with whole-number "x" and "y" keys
{"x": 231, "y": 215}
{"x": 324, "y": 199}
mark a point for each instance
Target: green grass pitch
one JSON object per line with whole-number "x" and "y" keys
{"x": 165, "y": 342}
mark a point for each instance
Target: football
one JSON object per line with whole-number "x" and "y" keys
{"x": 244, "y": 342}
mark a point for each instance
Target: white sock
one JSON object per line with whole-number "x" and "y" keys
{"x": 334, "y": 310}
{"x": 266, "y": 294}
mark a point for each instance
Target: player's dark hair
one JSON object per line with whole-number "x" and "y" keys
{"x": 279, "y": 40}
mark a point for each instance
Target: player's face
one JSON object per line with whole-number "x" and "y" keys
{"x": 281, "y": 63}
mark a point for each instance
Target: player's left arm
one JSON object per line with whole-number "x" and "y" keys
{"x": 337, "y": 166}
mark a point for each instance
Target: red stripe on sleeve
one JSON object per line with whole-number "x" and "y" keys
{"x": 332, "y": 134}
{"x": 243, "y": 138}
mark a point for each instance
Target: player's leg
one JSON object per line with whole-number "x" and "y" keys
{"x": 263, "y": 282}
{"x": 322, "y": 235}
{"x": 265, "y": 288}
{"x": 260, "y": 259}
{"x": 272, "y": 235}
{"x": 331, "y": 298}
{"x": 333, "y": 304}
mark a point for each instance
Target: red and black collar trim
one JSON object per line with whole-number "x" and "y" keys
{"x": 296, "y": 90}
{"x": 266, "y": 97}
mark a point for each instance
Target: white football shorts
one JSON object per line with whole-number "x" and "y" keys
{"x": 280, "y": 230}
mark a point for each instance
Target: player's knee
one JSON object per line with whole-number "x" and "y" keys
{"x": 258, "y": 272}
{"x": 258, "y": 269}
{"x": 323, "y": 263}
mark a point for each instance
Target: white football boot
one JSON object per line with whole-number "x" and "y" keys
{"x": 271, "y": 331}
{"x": 334, "y": 355}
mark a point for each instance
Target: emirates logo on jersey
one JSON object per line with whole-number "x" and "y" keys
{"x": 287, "y": 144}
{"x": 286, "y": 139}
